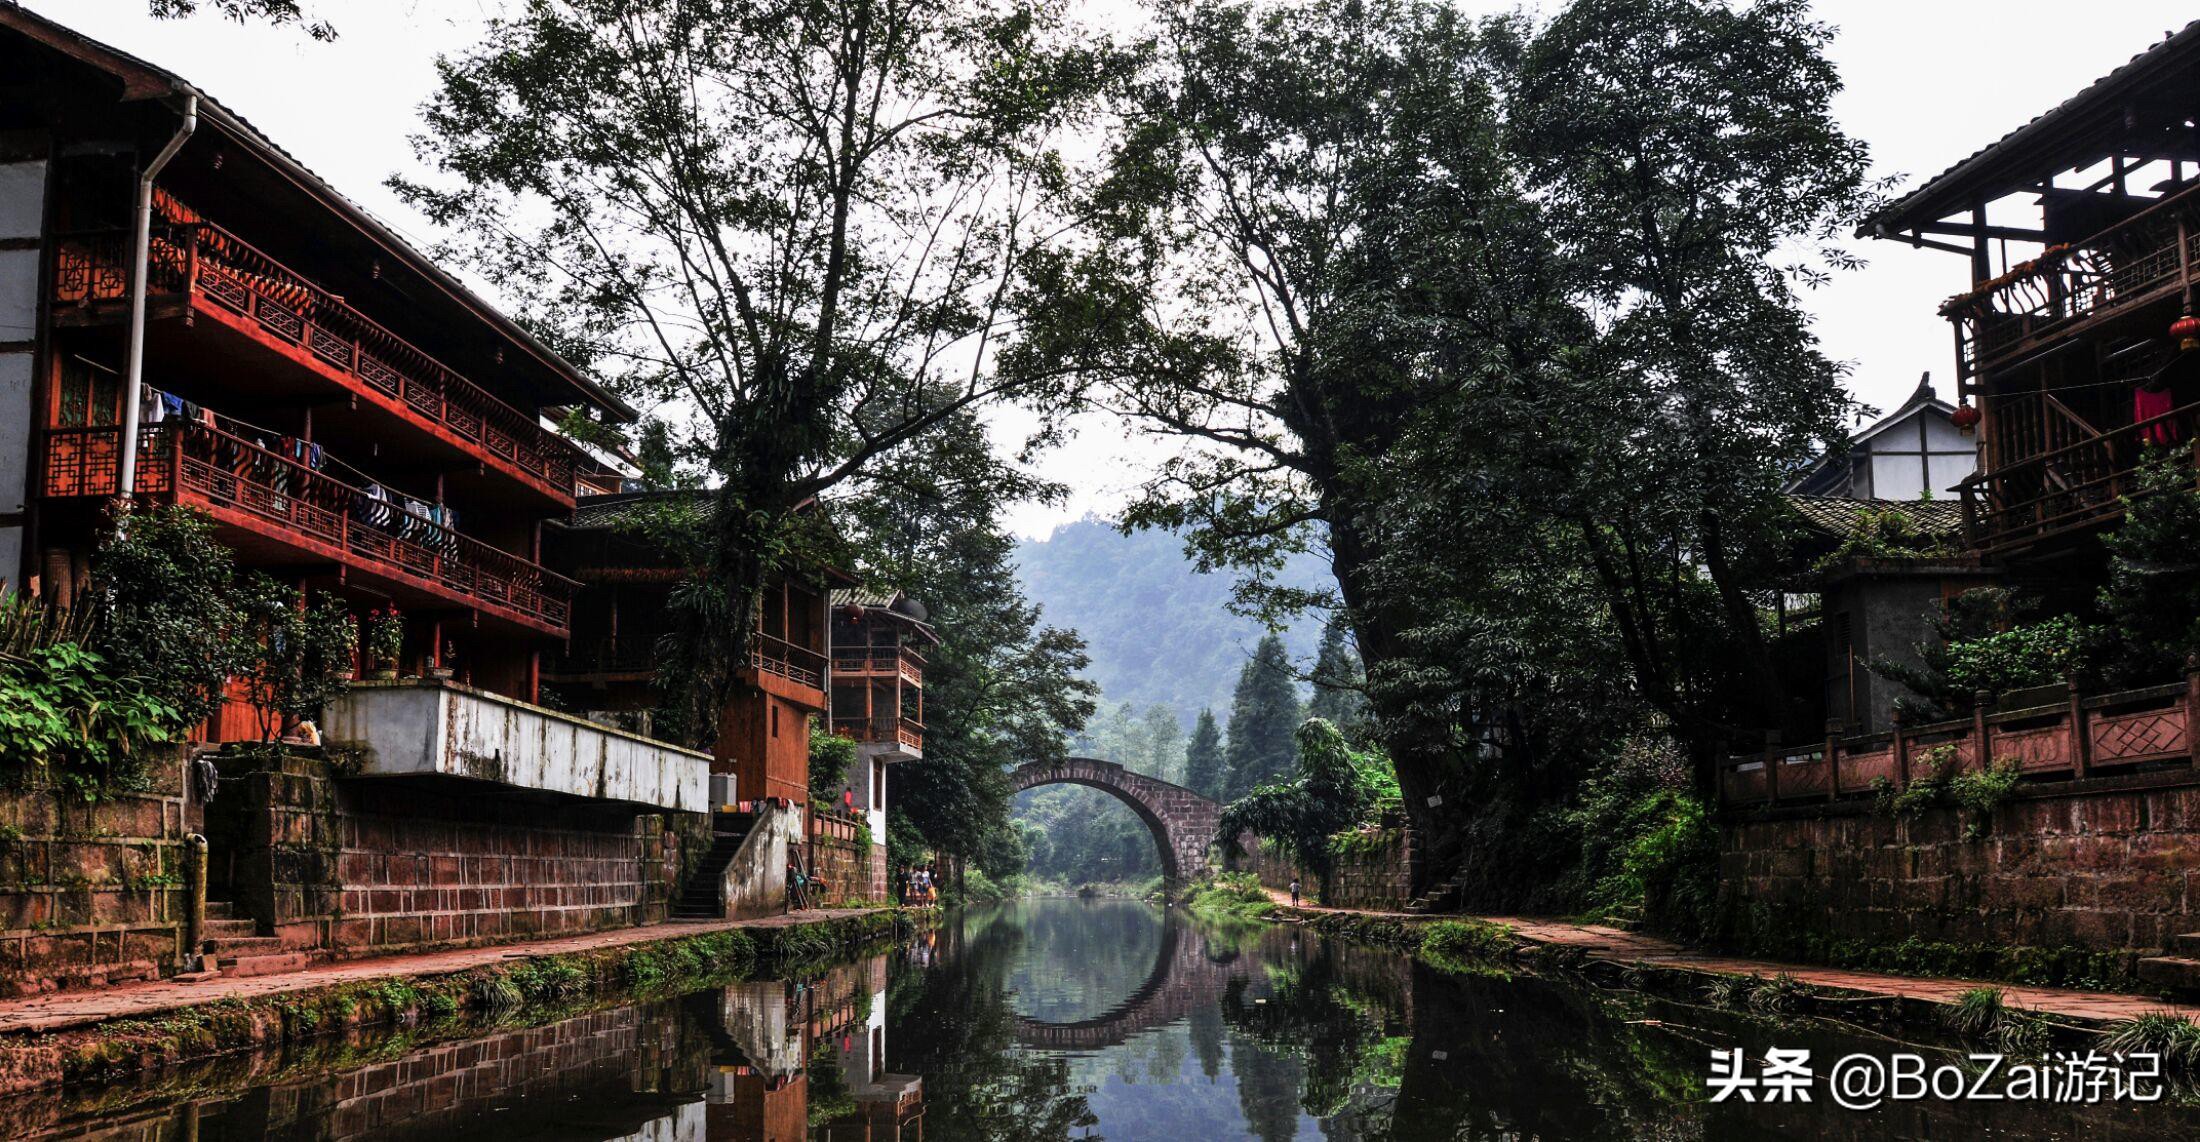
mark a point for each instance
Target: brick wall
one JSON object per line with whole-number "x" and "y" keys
{"x": 851, "y": 866}
{"x": 91, "y": 894}
{"x": 368, "y": 864}
{"x": 1375, "y": 870}
{"x": 2103, "y": 865}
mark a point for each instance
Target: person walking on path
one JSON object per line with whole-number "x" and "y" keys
{"x": 1294, "y": 892}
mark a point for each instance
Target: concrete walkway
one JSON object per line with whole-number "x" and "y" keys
{"x": 63, "y": 1010}
{"x": 1616, "y": 946}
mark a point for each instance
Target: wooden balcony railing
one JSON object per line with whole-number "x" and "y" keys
{"x": 797, "y": 664}
{"x": 2075, "y": 738}
{"x": 637, "y": 653}
{"x": 2076, "y": 482}
{"x": 289, "y": 502}
{"x": 884, "y": 728}
{"x": 2142, "y": 259}
{"x": 887, "y": 661}
{"x": 205, "y": 261}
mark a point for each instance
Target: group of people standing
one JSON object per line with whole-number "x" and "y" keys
{"x": 920, "y": 885}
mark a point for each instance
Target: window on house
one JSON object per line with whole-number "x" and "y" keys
{"x": 775, "y": 721}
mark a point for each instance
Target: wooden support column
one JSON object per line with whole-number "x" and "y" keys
{"x": 2081, "y": 737}
{"x": 1833, "y": 759}
{"x": 1900, "y": 747}
{"x": 1772, "y": 768}
{"x": 1982, "y": 751}
{"x": 2192, "y": 708}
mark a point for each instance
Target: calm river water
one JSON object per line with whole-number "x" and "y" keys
{"x": 1063, "y": 1019}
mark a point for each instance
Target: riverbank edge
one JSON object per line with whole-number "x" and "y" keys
{"x": 109, "y": 1049}
{"x": 1788, "y": 990}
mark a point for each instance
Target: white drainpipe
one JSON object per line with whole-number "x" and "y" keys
{"x": 133, "y": 373}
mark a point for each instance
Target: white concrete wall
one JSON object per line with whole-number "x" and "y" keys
{"x": 456, "y": 731}
{"x": 755, "y": 880}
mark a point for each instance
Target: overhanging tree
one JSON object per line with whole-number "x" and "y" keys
{"x": 1687, "y": 160}
{"x": 1317, "y": 197}
{"x": 799, "y": 233}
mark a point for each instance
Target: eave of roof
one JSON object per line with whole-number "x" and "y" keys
{"x": 142, "y": 80}
{"x": 1838, "y": 516}
{"x": 1957, "y": 188}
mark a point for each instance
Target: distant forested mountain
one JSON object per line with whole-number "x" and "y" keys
{"x": 1158, "y": 631}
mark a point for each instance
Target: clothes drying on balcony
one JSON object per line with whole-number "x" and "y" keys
{"x": 2146, "y": 405}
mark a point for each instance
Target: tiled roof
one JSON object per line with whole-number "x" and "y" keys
{"x": 1839, "y": 516}
{"x": 627, "y": 511}
{"x": 1897, "y": 215}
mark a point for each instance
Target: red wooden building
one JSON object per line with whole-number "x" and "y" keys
{"x": 353, "y": 418}
{"x": 2078, "y": 231}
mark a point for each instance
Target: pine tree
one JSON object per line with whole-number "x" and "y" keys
{"x": 1264, "y": 714}
{"x": 1164, "y": 743}
{"x": 1338, "y": 698}
{"x": 1203, "y": 757}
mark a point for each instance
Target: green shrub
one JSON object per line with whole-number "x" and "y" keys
{"x": 2172, "y": 1036}
{"x": 65, "y": 718}
{"x": 1465, "y": 945}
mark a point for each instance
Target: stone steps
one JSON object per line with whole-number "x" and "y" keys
{"x": 2177, "y": 973}
{"x": 2186, "y": 945}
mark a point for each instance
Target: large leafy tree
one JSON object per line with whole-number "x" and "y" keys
{"x": 1264, "y": 716}
{"x": 1688, "y": 163}
{"x": 800, "y": 233}
{"x": 1318, "y": 197}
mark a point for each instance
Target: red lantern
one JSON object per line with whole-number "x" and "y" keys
{"x": 2186, "y": 330}
{"x": 1965, "y": 418}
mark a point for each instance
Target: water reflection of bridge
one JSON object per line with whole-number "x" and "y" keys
{"x": 1183, "y": 980}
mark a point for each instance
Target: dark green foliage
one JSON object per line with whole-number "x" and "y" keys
{"x": 1339, "y": 683}
{"x": 1644, "y": 841}
{"x": 1264, "y": 717}
{"x": 65, "y": 718}
{"x": 1335, "y": 788}
{"x": 830, "y": 758}
{"x": 1203, "y": 759}
{"x": 1002, "y": 688}
{"x": 728, "y": 194}
{"x": 170, "y": 614}
{"x": 300, "y": 654}
{"x": 2151, "y": 601}
{"x": 1075, "y": 834}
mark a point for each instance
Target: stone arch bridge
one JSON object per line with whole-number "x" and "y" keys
{"x": 1183, "y": 823}
{"x": 1184, "y": 979}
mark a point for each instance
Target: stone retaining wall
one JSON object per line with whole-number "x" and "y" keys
{"x": 1375, "y": 870}
{"x": 843, "y": 857}
{"x": 2107, "y": 865}
{"x": 355, "y": 865}
{"x": 92, "y": 893}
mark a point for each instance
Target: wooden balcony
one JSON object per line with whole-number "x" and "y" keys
{"x": 634, "y": 657}
{"x": 275, "y": 510}
{"x": 904, "y": 734}
{"x": 2078, "y": 737}
{"x": 901, "y": 662}
{"x": 2056, "y": 474}
{"x": 199, "y": 270}
{"x": 2073, "y": 289}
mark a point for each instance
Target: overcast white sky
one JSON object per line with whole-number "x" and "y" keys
{"x": 1928, "y": 81}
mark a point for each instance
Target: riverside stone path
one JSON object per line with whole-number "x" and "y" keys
{"x": 65, "y": 1010}
{"x": 1621, "y": 947}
